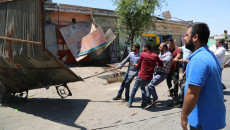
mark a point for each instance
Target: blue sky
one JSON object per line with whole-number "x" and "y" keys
{"x": 213, "y": 12}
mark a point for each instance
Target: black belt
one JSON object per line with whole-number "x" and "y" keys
{"x": 161, "y": 73}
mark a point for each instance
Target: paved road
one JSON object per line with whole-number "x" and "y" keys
{"x": 92, "y": 107}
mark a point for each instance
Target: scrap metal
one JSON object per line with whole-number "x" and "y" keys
{"x": 25, "y": 62}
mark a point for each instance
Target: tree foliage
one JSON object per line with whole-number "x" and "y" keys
{"x": 136, "y": 15}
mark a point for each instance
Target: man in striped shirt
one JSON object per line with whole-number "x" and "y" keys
{"x": 160, "y": 73}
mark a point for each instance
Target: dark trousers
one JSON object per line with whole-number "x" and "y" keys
{"x": 193, "y": 128}
{"x": 127, "y": 79}
{"x": 173, "y": 75}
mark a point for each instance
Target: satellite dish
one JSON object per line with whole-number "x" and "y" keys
{"x": 167, "y": 15}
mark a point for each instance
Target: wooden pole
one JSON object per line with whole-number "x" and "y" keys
{"x": 20, "y": 40}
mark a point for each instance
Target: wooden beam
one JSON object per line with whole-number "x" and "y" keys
{"x": 30, "y": 69}
{"x": 20, "y": 40}
{"x": 2, "y": 1}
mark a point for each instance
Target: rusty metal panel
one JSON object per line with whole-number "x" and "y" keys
{"x": 25, "y": 65}
{"x": 51, "y": 38}
{"x": 73, "y": 35}
{"x": 110, "y": 37}
{"x": 93, "y": 41}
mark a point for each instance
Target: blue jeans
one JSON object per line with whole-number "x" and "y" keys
{"x": 139, "y": 83}
{"x": 224, "y": 87}
{"x": 184, "y": 65}
{"x": 150, "y": 88}
{"x": 127, "y": 79}
{"x": 173, "y": 75}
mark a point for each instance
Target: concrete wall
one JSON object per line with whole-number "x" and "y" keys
{"x": 174, "y": 29}
{"x": 65, "y": 18}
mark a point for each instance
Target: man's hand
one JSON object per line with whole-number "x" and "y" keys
{"x": 116, "y": 67}
{"x": 184, "y": 122}
{"x": 181, "y": 60}
{"x": 175, "y": 60}
{"x": 175, "y": 43}
{"x": 135, "y": 65}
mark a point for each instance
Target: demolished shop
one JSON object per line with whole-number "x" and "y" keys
{"x": 61, "y": 21}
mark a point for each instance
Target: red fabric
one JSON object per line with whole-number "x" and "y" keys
{"x": 146, "y": 64}
{"x": 174, "y": 65}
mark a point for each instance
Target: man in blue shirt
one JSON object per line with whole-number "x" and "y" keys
{"x": 132, "y": 71}
{"x": 204, "y": 106}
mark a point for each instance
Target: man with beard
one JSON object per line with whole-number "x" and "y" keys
{"x": 174, "y": 68}
{"x": 160, "y": 73}
{"x": 146, "y": 64}
{"x": 132, "y": 71}
{"x": 203, "y": 106}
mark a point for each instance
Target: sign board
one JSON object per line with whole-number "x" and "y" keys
{"x": 167, "y": 15}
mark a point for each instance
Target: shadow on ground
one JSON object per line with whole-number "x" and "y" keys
{"x": 157, "y": 108}
{"x": 63, "y": 111}
{"x": 227, "y": 93}
{"x": 91, "y": 64}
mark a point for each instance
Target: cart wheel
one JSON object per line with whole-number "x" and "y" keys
{"x": 63, "y": 91}
{"x": 21, "y": 96}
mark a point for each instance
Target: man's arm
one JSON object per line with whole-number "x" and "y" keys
{"x": 183, "y": 60}
{"x": 190, "y": 100}
{"x": 159, "y": 61}
{"x": 177, "y": 56}
{"x": 219, "y": 52}
{"x": 123, "y": 62}
{"x": 168, "y": 58}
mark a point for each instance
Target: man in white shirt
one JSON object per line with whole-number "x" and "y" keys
{"x": 220, "y": 53}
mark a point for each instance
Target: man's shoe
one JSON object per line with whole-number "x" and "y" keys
{"x": 117, "y": 98}
{"x": 125, "y": 100}
{"x": 149, "y": 102}
{"x": 154, "y": 102}
{"x": 224, "y": 87}
{"x": 171, "y": 93}
{"x": 143, "y": 105}
{"x": 129, "y": 105}
{"x": 172, "y": 104}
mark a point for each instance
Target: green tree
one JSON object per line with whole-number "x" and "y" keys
{"x": 136, "y": 16}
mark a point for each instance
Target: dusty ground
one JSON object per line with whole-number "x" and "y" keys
{"x": 92, "y": 107}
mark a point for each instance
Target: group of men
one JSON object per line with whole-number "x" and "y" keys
{"x": 203, "y": 105}
{"x": 151, "y": 70}
{"x": 148, "y": 76}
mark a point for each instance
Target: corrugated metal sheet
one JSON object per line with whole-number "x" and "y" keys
{"x": 93, "y": 41}
{"x": 73, "y": 35}
{"x": 110, "y": 37}
{"x": 27, "y": 65}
